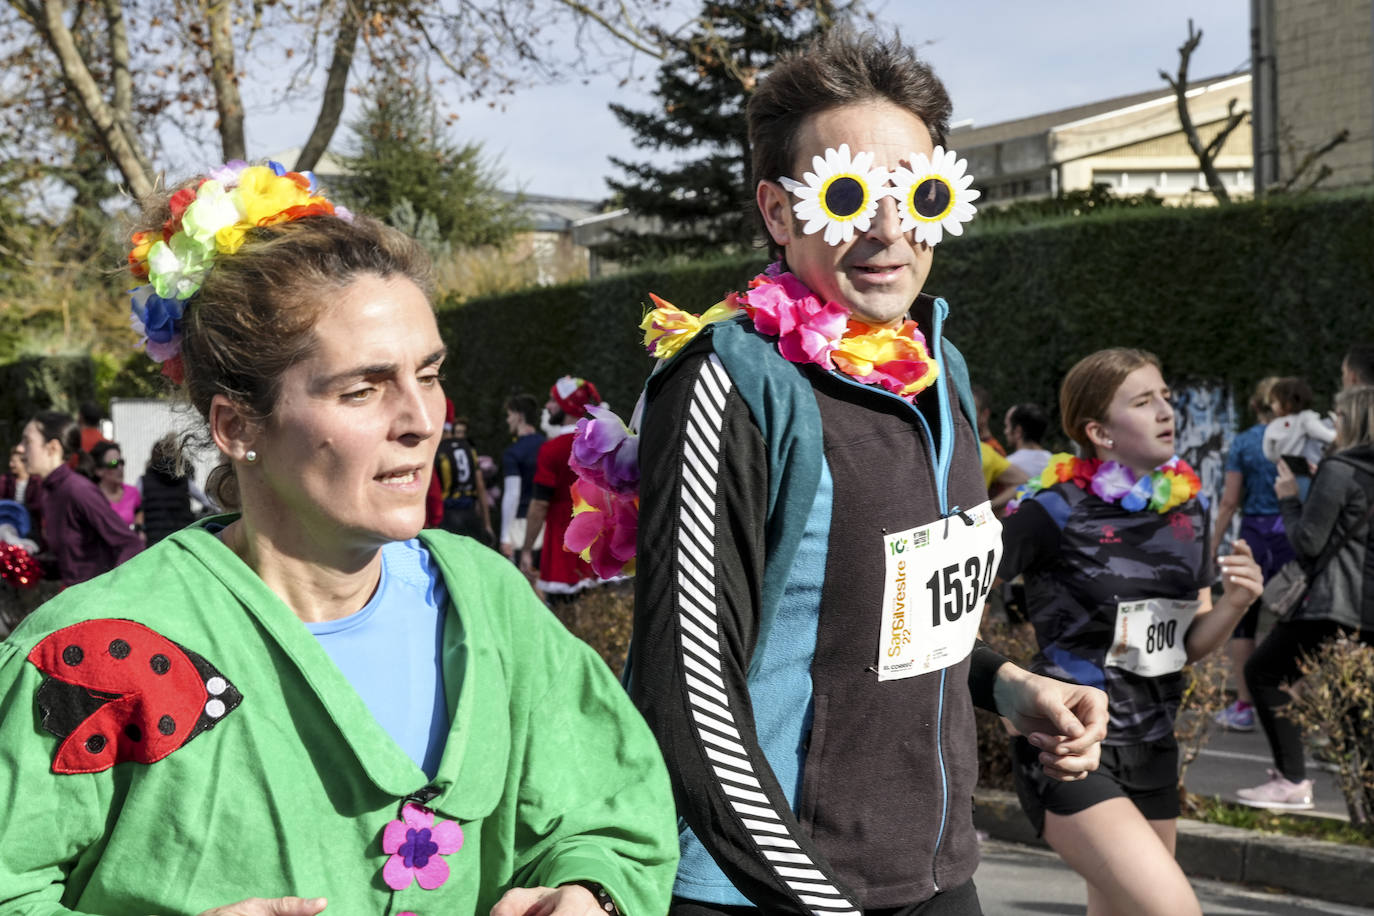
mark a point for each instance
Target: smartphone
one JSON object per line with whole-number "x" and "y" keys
{"x": 1297, "y": 464}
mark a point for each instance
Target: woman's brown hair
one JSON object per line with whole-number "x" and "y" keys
{"x": 1087, "y": 390}
{"x": 255, "y": 312}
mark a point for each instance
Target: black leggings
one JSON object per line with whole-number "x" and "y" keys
{"x": 1275, "y": 663}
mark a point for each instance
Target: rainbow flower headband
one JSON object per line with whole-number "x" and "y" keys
{"x": 206, "y": 223}
{"x": 1167, "y": 486}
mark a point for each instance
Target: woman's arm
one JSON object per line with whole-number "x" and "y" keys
{"x": 1311, "y": 524}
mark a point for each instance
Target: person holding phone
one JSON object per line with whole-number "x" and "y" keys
{"x": 1331, "y": 536}
{"x": 1118, "y": 566}
{"x": 1248, "y": 487}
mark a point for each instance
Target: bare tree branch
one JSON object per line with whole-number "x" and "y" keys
{"x": 1233, "y": 120}
{"x": 219, "y": 16}
{"x": 119, "y": 63}
{"x": 1311, "y": 157}
{"x": 1180, "y": 87}
{"x": 332, "y": 102}
{"x": 123, "y": 148}
{"x": 628, "y": 34}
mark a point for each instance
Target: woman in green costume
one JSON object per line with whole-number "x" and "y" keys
{"x": 310, "y": 703}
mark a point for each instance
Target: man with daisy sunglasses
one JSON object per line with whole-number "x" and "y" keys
{"x": 815, "y": 541}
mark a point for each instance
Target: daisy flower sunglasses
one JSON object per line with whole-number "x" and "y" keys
{"x": 842, "y": 192}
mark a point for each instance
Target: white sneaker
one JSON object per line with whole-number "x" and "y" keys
{"x": 1278, "y": 793}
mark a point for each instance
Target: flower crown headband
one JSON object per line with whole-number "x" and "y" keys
{"x": 208, "y": 222}
{"x": 842, "y": 194}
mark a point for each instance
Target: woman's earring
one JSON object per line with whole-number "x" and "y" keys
{"x": 1109, "y": 444}
{"x": 250, "y": 456}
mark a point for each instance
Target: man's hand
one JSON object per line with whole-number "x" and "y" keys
{"x": 276, "y": 906}
{"x": 1067, "y": 722}
{"x": 568, "y": 900}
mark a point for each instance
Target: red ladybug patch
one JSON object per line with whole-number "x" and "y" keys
{"x": 119, "y": 691}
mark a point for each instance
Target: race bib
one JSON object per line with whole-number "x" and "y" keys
{"x": 1149, "y": 636}
{"x": 937, "y": 578}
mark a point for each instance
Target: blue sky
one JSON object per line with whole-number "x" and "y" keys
{"x": 1000, "y": 60}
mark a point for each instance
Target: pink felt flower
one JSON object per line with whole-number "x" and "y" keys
{"x": 415, "y": 844}
{"x": 807, "y": 329}
{"x": 603, "y": 529}
{"x": 605, "y": 453}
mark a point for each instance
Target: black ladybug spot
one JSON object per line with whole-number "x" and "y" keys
{"x": 119, "y": 648}
{"x": 95, "y": 744}
{"x": 133, "y": 732}
{"x": 73, "y": 655}
{"x": 166, "y": 725}
{"x": 159, "y": 664}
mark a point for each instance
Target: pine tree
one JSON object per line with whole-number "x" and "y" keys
{"x": 401, "y": 154}
{"x": 704, "y": 205}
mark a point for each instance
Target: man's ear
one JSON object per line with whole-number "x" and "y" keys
{"x": 776, "y": 206}
{"x": 232, "y": 430}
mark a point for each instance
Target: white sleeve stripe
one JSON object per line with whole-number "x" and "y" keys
{"x": 699, "y": 649}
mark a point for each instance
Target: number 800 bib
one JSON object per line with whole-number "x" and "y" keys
{"x": 937, "y": 577}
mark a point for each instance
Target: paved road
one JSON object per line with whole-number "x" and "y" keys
{"x": 1019, "y": 880}
{"x": 1231, "y": 760}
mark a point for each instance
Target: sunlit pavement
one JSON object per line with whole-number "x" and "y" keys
{"x": 1015, "y": 880}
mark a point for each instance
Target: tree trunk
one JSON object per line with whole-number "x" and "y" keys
{"x": 332, "y": 103}
{"x": 122, "y": 145}
{"x": 220, "y": 19}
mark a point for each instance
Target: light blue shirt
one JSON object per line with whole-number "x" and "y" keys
{"x": 391, "y": 652}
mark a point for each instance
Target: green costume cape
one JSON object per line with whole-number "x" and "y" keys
{"x": 548, "y": 769}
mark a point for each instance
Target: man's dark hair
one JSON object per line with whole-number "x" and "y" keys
{"x": 90, "y": 413}
{"x": 1032, "y": 419}
{"x": 1360, "y": 361}
{"x": 842, "y": 67}
{"x": 526, "y": 406}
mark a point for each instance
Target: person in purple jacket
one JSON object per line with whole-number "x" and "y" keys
{"x": 80, "y": 527}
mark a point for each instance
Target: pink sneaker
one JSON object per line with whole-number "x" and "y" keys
{"x": 1278, "y": 793}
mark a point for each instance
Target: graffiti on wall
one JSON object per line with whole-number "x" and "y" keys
{"x": 1204, "y": 425}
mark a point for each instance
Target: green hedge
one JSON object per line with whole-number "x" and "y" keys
{"x": 1220, "y": 294}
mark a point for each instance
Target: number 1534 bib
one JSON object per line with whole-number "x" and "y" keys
{"x": 936, "y": 579}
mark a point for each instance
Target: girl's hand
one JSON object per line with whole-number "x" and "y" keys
{"x": 1242, "y": 581}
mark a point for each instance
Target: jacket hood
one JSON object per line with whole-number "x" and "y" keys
{"x": 1359, "y": 455}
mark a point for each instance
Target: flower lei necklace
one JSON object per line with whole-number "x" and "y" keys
{"x": 605, "y": 452}
{"x": 1171, "y": 484}
{"x": 808, "y": 331}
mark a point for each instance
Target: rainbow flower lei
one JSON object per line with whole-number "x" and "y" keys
{"x": 808, "y": 331}
{"x": 1167, "y": 486}
{"x": 208, "y": 222}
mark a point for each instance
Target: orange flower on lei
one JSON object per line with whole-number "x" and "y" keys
{"x": 894, "y": 358}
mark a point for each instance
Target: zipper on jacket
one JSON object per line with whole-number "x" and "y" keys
{"x": 941, "y": 463}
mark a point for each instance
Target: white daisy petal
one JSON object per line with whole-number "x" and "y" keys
{"x": 791, "y": 185}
